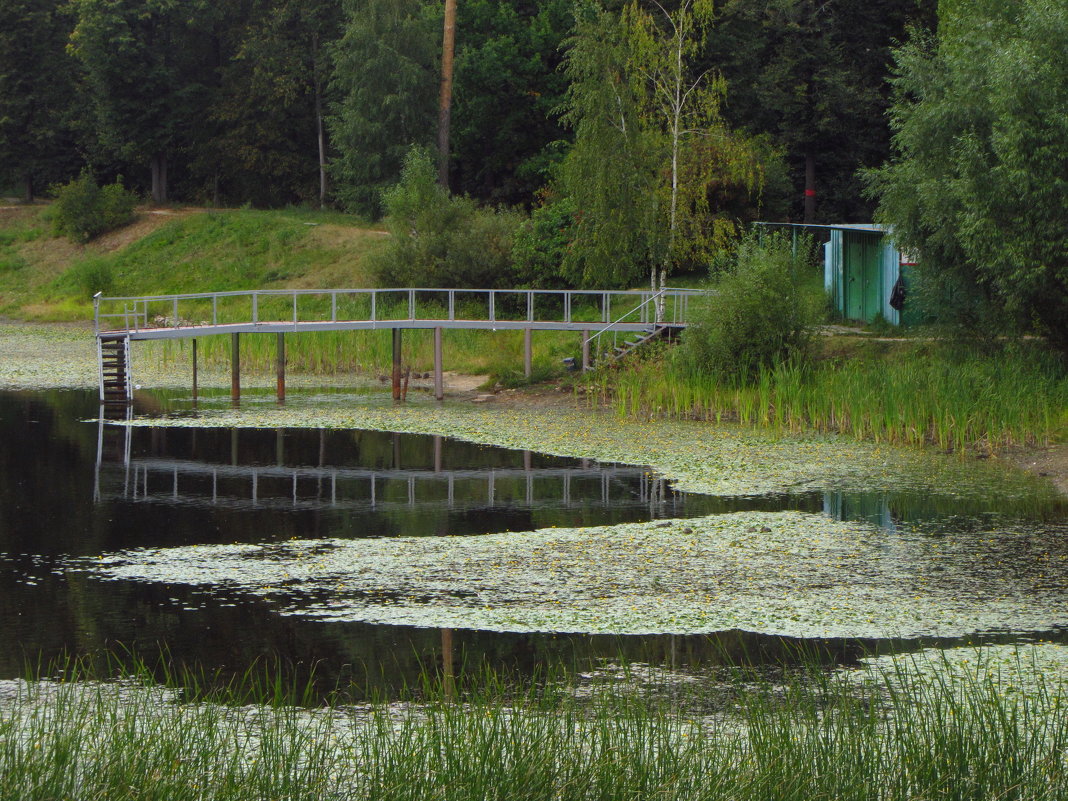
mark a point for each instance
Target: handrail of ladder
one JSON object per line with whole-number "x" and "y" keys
{"x": 616, "y": 322}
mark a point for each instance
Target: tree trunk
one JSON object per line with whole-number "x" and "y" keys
{"x": 445, "y": 100}
{"x": 810, "y": 189}
{"x": 323, "y": 187}
{"x": 159, "y": 178}
{"x": 27, "y": 188}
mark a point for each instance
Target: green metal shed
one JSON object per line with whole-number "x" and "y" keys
{"x": 860, "y": 267}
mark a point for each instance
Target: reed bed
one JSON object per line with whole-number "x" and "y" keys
{"x": 951, "y": 401}
{"x": 497, "y": 353}
{"x": 820, "y": 736}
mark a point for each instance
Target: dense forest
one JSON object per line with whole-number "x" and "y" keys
{"x": 272, "y": 102}
{"x": 574, "y": 142}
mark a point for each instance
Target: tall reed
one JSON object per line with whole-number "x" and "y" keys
{"x": 820, "y": 736}
{"x": 370, "y": 352}
{"x": 954, "y": 402}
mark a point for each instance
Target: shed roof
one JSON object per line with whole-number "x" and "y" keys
{"x": 873, "y": 227}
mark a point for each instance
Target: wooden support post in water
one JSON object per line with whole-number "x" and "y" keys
{"x": 448, "y": 684}
{"x": 437, "y": 453}
{"x": 439, "y": 384}
{"x": 194, "y": 370}
{"x": 585, "y": 351}
{"x": 235, "y": 369}
{"x": 280, "y": 371}
{"x": 396, "y": 364}
{"x": 528, "y": 354}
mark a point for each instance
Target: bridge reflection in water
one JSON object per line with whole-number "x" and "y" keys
{"x": 153, "y": 472}
{"x": 310, "y": 470}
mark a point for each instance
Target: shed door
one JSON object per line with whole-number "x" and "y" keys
{"x": 863, "y": 292}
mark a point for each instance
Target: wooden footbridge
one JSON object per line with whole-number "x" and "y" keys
{"x": 611, "y": 323}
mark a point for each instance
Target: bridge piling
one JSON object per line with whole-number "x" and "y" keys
{"x": 439, "y": 384}
{"x": 528, "y": 353}
{"x": 280, "y": 369}
{"x": 235, "y": 369}
{"x": 397, "y": 364}
{"x": 194, "y": 370}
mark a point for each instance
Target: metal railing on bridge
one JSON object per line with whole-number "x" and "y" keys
{"x": 281, "y": 310}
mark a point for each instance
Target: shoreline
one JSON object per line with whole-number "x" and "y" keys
{"x": 42, "y": 356}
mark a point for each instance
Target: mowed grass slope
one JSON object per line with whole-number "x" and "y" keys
{"x": 45, "y": 277}
{"x": 49, "y": 279}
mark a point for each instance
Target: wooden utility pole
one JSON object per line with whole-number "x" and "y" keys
{"x": 448, "y": 46}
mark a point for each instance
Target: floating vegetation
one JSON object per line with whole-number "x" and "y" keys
{"x": 1034, "y": 671}
{"x": 788, "y": 573}
{"x": 698, "y": 457}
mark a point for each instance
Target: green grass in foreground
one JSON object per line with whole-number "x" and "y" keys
{"x": 822, "y": 737}
{"x": 930, "y": 395}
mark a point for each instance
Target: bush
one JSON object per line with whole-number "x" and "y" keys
{"x": 439, "y": 240}
{"x": 94, "y": 276}
{"x": 763, "y": 313}
{"x": 83, "y": 209}
{"x": 541, "y": 245}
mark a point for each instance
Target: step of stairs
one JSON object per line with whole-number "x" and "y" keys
{"x": 115, "y": 383}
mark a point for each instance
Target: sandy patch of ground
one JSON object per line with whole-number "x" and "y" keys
{"x": 1050, "y": 462}
{"x": 147, "y": 221}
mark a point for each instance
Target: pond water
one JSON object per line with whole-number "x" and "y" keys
{"x": 73, "y": 490}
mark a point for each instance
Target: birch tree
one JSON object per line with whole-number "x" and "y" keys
{"x": 640, "y": 105}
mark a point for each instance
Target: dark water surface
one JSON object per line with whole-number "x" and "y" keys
{"x": 75, "y": 488}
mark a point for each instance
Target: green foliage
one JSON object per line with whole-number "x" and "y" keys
{"x": 655, "y": 174}
{"x": 385, "y": 82}
{"x": 94, "y": 275}
{"x": 508, "y": 83}
{"x": 763, "y": 313}
{"x": 83, "y": 209}
{"x": 221, "y": 251}
{"x": 264, "y": 111}
{"x": 976, "y": 187}
{"x": 610, "y": 171}
{"x": 149, "y": 69}
{"x": 920, "y": 728}
{"x": 440, "y": 240}
{"x": 813, "y": 76}
{"x": 39, "y": 111}
{"x": 542, "y": 243}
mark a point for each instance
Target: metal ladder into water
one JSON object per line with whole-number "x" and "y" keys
{"x": 113, "y": 361}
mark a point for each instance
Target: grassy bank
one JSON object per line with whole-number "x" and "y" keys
{"x": 43, "y": 276}
{"x": 880, "y": 736}
{"x": 912, "y": 393}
